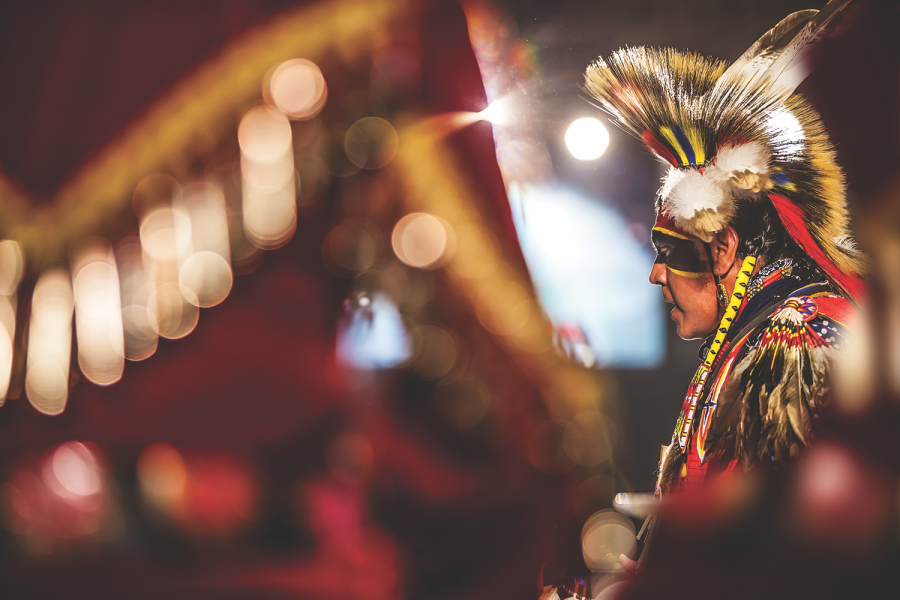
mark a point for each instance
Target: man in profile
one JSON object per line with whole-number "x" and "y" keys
{"x": 752, "y": 241}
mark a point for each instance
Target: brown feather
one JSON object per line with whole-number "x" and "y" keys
{"x": 670, "y": 469}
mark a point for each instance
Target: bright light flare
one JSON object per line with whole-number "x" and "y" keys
{"x": 422, "y": 240}
{"x": 587, "y": 139}
{"x": 267, "y": 172}
{"x": 50, "y": 342}
{"x": 98, "y": 312}
{"x": 497, "y": 112}
{"x": 297, "y": 88}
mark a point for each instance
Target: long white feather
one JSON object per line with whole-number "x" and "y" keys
{"x": 791, "y": 67}
{"x": 759, "y": 57}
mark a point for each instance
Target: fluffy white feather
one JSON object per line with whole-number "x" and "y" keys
{"x": 702, "y": 203}
{"x": 751, "y": 156}
{"x": 698, "y": 204}
{"x": 670, "y": 181}
{"x": 741, "y": 170}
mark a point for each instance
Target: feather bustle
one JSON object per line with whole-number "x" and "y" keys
{"x": 773, "y": 399}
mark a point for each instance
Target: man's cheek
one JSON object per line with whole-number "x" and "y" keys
{"x": 687, "y": 282}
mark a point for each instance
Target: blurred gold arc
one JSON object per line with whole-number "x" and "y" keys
{"x": 192, "y": 116}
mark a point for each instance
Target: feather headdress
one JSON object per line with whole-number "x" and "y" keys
{"x": 736, "y": 134}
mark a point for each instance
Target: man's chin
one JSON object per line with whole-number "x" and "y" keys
{"x": 681, "y": 328}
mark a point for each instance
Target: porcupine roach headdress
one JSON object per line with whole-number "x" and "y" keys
{"x": 735, "y": 134}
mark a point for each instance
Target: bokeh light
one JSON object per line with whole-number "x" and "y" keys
{"x": 208, "y": 275}
{"x": 162, "y": 477}
{"x": 11, "y": 270}
{"x": 605, "y": 536}
{"x": 589, "y": 438}
{"x": 50, "y": 342}
{"x": 267, "y": 172}
{"x": 587, "y": 138}
{"x": 140, "y": 327}
{"x": 352, "y": 246}
{"x": 7, "y": 340}
{"x": 297, "y": 88}
{"x": 437, "y": 350}
{"x": 73, "y": 471}
{"x": 166, "y": 234}
{"x": 371, "y": 143}
{"x": 177, "y": 311}
{"x": 12, "y": 265}
{"x": 207, "y": 270}
{"x": 207, "y": 495}
{"x": 98, "y": 312}
{"x": 372, "y": 335}
{"x": 839, "y": 499}
{"x": 154, "y": 191}
{"x": 423, "y": 240}
{"x": 62, "y": 500}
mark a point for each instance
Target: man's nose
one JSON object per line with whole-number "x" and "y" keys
{"x": 658, "y": 274}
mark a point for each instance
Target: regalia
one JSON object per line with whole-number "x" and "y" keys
{"x": 734, "y": 135}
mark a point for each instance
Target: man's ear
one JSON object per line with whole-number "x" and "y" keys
{"x": 724, "y": 250}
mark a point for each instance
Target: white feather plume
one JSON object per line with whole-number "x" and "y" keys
{"x": 751, "y": 156}
{"x": 698, "y": 204}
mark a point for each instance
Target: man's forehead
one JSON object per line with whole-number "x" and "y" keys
{"x": 665, "y": 225}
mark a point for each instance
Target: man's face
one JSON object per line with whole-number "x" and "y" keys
{"x": 683, "y": 272}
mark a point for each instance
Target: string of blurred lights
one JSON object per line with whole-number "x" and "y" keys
{"x": 125, "y": 296}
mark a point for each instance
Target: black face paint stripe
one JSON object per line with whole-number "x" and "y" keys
{"x": 678, "y": 253}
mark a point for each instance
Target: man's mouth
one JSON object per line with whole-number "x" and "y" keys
{"x": 669, "y": 299}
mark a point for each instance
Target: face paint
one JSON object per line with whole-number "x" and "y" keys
{"x": 682, "y": 255}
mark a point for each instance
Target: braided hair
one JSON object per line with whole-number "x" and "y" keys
{"x": 760, "y": 232}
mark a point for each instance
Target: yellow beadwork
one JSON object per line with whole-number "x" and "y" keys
{"x": 737, "y": 296}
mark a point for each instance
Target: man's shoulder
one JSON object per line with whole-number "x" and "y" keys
{"x": 776, "y": 387}
{"x": 823, "y": 319}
